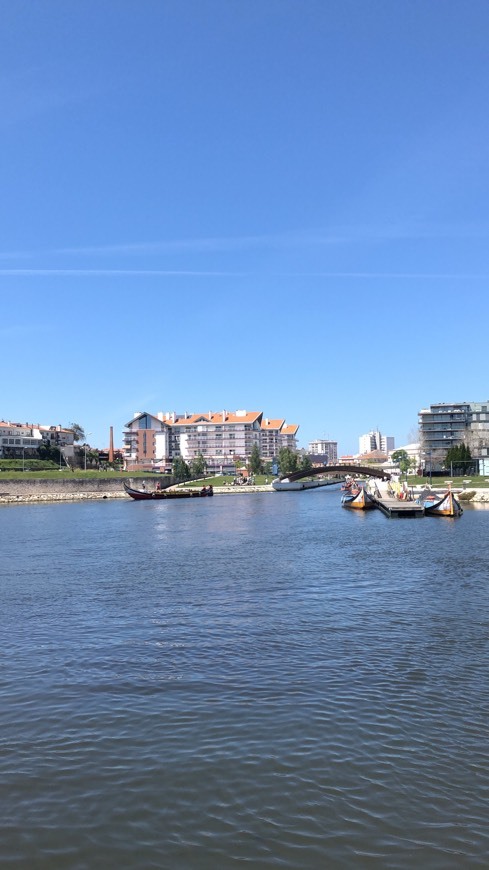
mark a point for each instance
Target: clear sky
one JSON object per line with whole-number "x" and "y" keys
{"x": 277, "y": 205}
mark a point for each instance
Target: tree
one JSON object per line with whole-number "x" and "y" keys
{"x": 47, "y": 452}
{"x": 198, "y": 466}
{"x": 93, "y": 458}
{"x": 287, "y": 460}
{"x": 180, "y": 469}
{"x": 458, "y": 459}
{"x": 78, "y": 432}
{"x": 414, "y": 435}
{"x": 403, "y": 460}
{"x": 255, "y": 460}
{"x": 305, "y": 463}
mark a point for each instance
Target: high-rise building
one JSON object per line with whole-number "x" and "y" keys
{"x": 374, "y": 440}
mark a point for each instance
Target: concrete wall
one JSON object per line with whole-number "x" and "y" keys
{"x": 68, "y": 489}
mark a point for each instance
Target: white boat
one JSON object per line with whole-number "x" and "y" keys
{"x": 285, "y": 485}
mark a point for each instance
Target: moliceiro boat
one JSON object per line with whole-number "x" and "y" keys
{"x": 358, "y": 499}
{"x": 150, "y": 495}
{"x": 440, "y": 506}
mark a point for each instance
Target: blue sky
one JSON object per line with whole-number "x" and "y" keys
{"x": 277, "y": 205}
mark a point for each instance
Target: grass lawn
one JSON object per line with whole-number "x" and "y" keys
{"x": 65, "y": 473}
{"x": 472, "y": 482}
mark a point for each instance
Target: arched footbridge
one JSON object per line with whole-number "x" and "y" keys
{"x": 338, "y": 470}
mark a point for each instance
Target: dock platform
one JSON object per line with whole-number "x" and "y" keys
{"x": 396, "y": 509}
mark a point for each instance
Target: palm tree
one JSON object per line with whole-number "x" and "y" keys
{"x": 78, "y": 431}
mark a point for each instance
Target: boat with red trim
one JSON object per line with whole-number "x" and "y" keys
{"x": 445, "y": 505}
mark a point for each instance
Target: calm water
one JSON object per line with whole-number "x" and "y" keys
{"x": 260, "y": 680}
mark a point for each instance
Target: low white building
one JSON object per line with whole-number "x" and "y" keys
{"x": 413, "y": 451}
{"x": 19, "y": 440}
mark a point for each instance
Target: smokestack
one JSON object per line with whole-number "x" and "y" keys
{"x": 111, "y": 446}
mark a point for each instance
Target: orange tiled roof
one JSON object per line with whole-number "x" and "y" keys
{"x": 272, "y": 424}
{"x": 290, "y": 430}
{"x": 373, "y": 454}
{"x": 216, "y": 418}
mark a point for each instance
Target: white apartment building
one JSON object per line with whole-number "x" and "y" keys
{"x": 374, "y": 440}
{"x": 222, "y": 438}
{"x": 323, "y": 447}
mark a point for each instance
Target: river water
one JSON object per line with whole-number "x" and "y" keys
{"x": 259, "y": 680}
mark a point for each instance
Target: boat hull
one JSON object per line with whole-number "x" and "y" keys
{"x": 295, "y": 485}
{"x": 156, "y": 495}
{"x": 446, "y": 506}
{"x": 360, "y": 501}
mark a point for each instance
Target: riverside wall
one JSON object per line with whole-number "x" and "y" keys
{"x": 15, "y": 491}
{"x": 66, "y": 489}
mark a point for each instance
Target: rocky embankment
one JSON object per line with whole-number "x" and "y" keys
{"x": 65, "y": 489}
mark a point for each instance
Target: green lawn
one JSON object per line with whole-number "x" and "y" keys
{"x": 66, "y": 474}
{"x": 227, "y": 480}
{"x": 473, "y": 482}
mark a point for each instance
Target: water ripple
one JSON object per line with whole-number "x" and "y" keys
{"x": 265, "y": 680}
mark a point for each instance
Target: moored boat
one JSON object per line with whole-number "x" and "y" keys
{"x": 358, "y": 499}
{"x": 295, "y": 485}
{"x": 150, "y": 495}
{"x": 440, "y": 506}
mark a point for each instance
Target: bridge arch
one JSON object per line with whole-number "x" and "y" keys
{"x": 342, "y": 470}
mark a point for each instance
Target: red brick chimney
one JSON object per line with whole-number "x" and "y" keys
{"x": 111, "y": 445}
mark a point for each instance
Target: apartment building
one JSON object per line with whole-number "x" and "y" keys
{"x": 19, "y": 440}
{"x": 447, "y": 424}
{"x": 327, "y": 450}
{"x": 271, "y": 438}
{"x": 375, "y": 441}
{"x": 288, "y": 436}
{"x": 152, "y": 442}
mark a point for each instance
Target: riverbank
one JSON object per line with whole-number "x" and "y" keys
{"x": 15, "y": 491}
